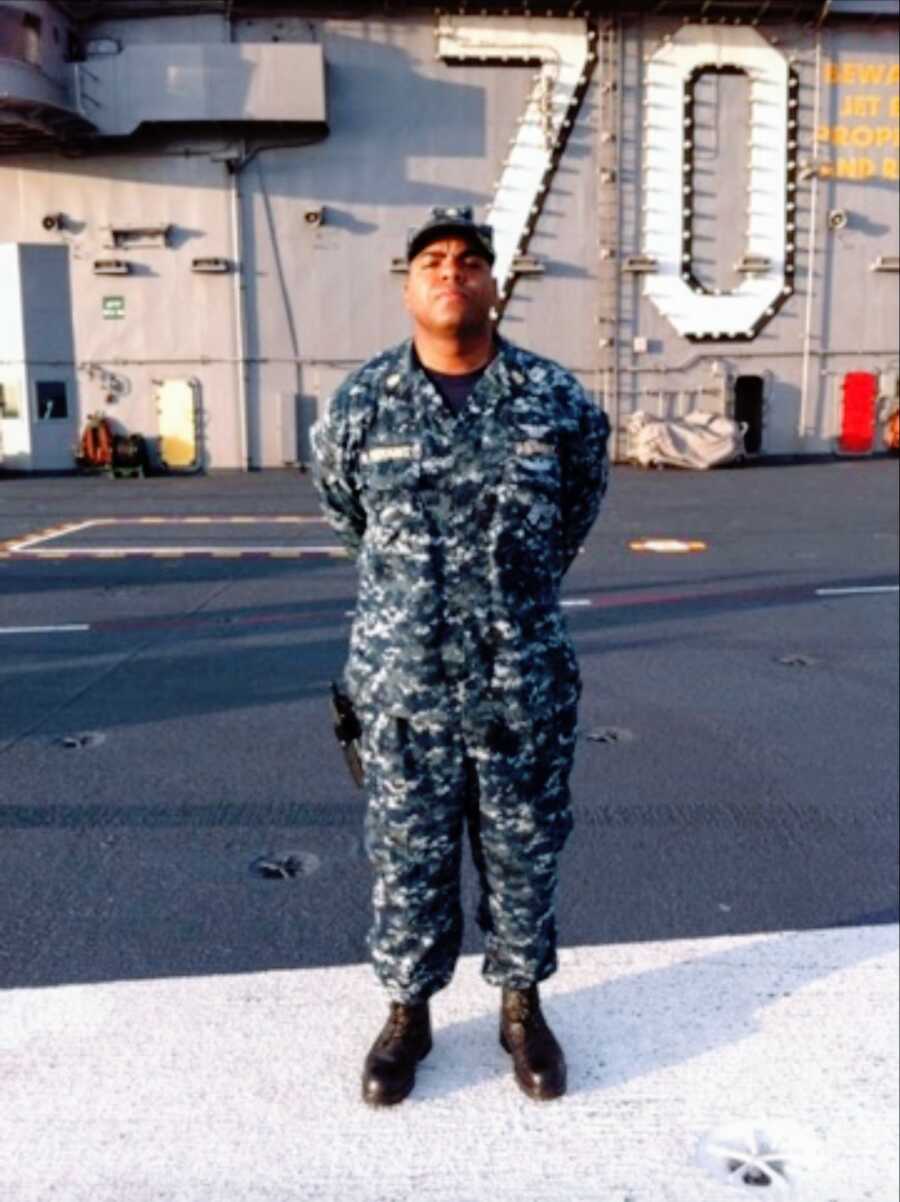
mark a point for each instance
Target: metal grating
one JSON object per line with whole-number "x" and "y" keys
{"x": 26, "y": 126}
{"x": 749, "y": 10}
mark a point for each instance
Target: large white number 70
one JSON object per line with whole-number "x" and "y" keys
{"x": 771, "y": 205}
{"x": 562, "y": 48}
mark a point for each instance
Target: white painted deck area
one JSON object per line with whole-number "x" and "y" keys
{"x": 231, "y": 1088}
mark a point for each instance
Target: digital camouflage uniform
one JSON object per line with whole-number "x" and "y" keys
{"x": 460, "y": 665}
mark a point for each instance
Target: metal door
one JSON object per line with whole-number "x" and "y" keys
{"x": 177, "y": 407}
{"x": 13, "y": 422}
{"x": 54, "y": 424}
{"x": 748, "y": 409}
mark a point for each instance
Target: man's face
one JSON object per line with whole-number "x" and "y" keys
{"x": 450, "y": 289}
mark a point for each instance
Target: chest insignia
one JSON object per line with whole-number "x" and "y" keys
{"x": 532, "y": 447}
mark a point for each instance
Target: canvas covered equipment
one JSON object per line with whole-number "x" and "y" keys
{"x": 697, "y": 440}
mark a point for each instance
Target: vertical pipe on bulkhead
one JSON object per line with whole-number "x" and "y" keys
{"x": 811, "y": 253}
{"x": 234, "y": 167}
{"x": 240, "y": 300}
{"x": 618, "y": 101}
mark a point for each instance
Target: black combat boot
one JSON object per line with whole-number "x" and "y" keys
{"x": 538, "y": 1060}
{"x": 390, "y": 1069}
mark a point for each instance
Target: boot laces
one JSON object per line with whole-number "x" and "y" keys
{"x": 401, "y": 1018}
{"x": 524, "y": 1006}
{"x": 398, "y": 1020}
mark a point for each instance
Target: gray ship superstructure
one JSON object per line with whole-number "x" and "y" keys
{"x": 203, "y": 210}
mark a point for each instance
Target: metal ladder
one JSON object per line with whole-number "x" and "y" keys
{"x": 631, "y": 229}
{"x": 608, "y": 182}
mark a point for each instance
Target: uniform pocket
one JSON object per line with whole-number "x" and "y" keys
{"x": 397, "y": 473}
{"x": 531, "y": 512}
{"x": 532, "y": 475}
{"x": 390, "y": 494}
{"x": 396, "y": 538}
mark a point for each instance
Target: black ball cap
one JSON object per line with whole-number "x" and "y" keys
{"x": 457, "y": 222}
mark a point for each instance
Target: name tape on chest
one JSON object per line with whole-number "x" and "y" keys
{"x": 404, "y": 452}
{"x": 532, "y": 447}
{"x": 401, "y": 452}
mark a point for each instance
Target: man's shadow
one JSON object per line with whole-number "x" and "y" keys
{"x": 638, "y": 1022}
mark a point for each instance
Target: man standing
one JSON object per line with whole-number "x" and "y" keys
{"x": 464, "y": 473}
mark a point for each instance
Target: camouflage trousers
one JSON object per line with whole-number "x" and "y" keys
{"x": 429, "y": 779}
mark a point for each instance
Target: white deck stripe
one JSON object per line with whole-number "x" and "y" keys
{"x": 43, "y": 536}
{"x": 246, "y": 1087}
{"x": 47, "y": 552}
{"x": 66, "y": 529}
{"x": 849, "y": 592}
{"x": 73, "y": 627}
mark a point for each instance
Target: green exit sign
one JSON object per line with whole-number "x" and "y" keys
{"x": 113, "y": 307}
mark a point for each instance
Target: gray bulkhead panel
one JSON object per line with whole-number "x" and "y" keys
{"x": 38, "y": 418}
{"x": 405, "y": 132}
{"x": 161, "y": 319}
{"x": 319, "y": 224}
{"x": 857, "y": 318}
{"x": 206, "y": 82}
{"x": 660, "y": 371}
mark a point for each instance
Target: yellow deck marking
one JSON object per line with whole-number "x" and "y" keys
{"x": 668, "y": 546}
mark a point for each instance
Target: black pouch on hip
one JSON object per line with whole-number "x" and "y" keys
{"x": 347, "y": 731}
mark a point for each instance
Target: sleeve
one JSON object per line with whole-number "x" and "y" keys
{"x": 585, "y": 474}
{"x": 335, "y": 471}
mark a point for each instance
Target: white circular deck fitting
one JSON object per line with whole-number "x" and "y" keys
{"x": 780, "y": 1157}
{"x": 84, "y": 740}
{"x": 285, "y": 866}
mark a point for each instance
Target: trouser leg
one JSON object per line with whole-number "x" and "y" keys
{"x": 416, "y": 783}
{"x": 473, "y": 827}
{"x": 518, "y": 827}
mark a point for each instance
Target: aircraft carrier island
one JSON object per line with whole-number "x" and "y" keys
{"x": 204, "y": 208}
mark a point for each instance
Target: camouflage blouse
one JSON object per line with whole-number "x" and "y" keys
{"x": 463, "y": 525}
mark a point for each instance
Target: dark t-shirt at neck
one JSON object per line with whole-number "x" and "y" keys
{"x": 455, "y": 389}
